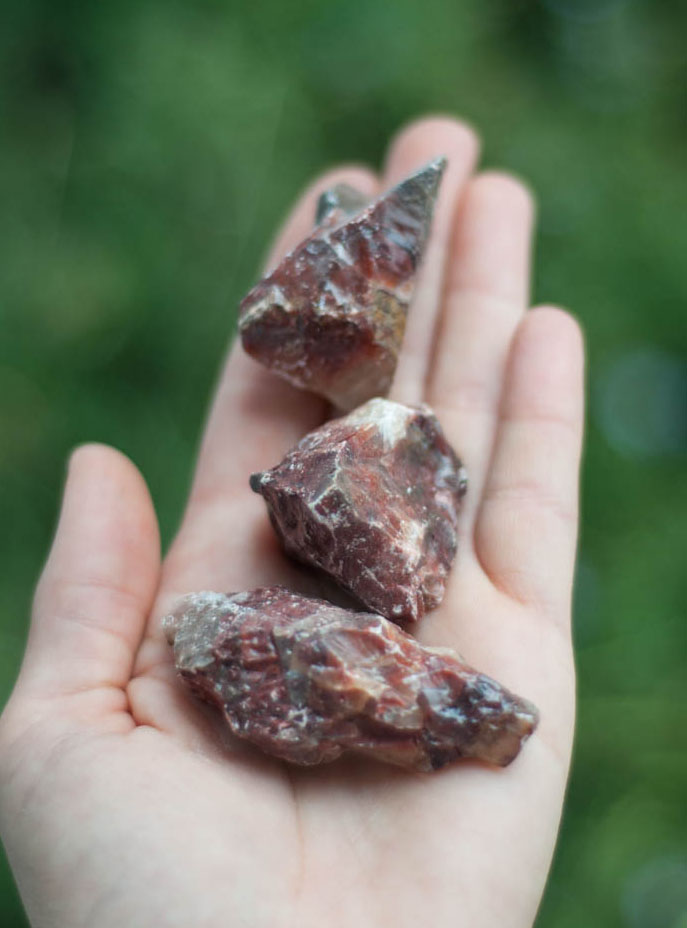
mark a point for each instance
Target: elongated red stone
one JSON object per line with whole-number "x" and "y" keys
{"x": 307, "y": 681}
{"x": 372, "y": 499}
{"x": 331, "y": 317}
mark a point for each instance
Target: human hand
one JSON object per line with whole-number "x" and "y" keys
{"x": 124, "y": 802}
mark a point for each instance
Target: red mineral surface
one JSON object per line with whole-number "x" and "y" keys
{"x": 307, "y": 681}
{"x": 372, "y": 499}
{"x": 331, "y": 317}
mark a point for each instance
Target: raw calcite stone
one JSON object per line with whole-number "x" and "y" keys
{"x": 338, "y": 204}
{"x": 331, "y": 317}
{"x": 372, "y": 499}
{"x": 307, "y": 681}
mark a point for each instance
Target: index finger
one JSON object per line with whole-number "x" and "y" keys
{"x": 254, "y": 419}
{"x": 252, "y": 404}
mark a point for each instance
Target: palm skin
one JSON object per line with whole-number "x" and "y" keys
{"x": 124, "y": 802}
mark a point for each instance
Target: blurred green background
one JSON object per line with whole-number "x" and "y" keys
{"x": 147, "y": 151}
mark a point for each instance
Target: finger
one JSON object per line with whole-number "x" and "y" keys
{"x": 301, "y": 220}
{"x": 256, "y": 416}
{"x": 486, "y": 294}
{"x": 526, "y": 530}
{"x": 416, "y": 145}
{"x": 98, "y": 584}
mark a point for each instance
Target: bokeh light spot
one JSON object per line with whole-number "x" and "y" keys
{"x": 656, "y": 895}
{"x": 641, "y": 403}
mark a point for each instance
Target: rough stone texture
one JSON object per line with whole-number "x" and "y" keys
{"x": 331, "y": 317}
{"x": 307, "y": 681}
{"x": 338, "y": 204}
{"x": 372, "y": 499}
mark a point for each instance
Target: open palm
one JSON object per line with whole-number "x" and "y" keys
{"x": 124, "y": 802}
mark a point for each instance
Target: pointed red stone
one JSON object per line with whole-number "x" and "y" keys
{"x": 331, "y": 317}
{"x": 372, "y": 499}
{"x": 306, "y": 681}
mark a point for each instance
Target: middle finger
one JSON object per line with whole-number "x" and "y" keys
{"x": 414, "y": 146}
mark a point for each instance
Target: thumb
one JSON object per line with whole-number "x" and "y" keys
{"x": 98, "y": 584}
